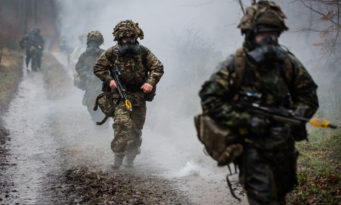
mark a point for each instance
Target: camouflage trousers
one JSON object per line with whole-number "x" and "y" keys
{"x": 268, "y": 175}
{"x": 128, "y": 129}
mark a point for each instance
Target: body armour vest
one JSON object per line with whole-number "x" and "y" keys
{"x": 133, "y": 71}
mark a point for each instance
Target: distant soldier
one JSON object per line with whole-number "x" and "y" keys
{"x": 85, "y": 78}
{"x": 0, "y": 54}
{"x": 139, "y": 71}
{"x": 33, "y": 43}
{"x": 261, "y": 73}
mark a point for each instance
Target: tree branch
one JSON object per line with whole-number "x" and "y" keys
{"x": 320, "y": 13}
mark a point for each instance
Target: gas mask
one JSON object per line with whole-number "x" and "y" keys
{"x": 92, "y": 47}
{"x": 130, "y": 47}
{"x": 267, "y": 50}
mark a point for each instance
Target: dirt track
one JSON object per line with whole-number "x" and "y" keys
{"x": 56, "y": 155}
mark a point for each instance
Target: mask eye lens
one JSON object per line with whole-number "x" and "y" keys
{"x": 126, "y": 40}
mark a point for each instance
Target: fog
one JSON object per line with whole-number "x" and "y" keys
{"x": 190, "y": 38}
{"x": 51, "y": 131}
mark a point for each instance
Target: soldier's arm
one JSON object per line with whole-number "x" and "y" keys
{"x": 101, "y": 67}
{"x": 79, "y": 64}
{"x": 303, "y": 89}
{"x": 155, "y": 68}
{"x": 81, "y": 67}
{"x": 217, "y": 97}
{"x": 42, "y": 42}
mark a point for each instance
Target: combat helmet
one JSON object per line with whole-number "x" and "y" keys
{"x": 95, "y": 36}
{"x": 263, "y": 16}
{"x": 127, "y": 28}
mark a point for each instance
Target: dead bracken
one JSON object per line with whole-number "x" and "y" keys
{"x": 120, "y": 188}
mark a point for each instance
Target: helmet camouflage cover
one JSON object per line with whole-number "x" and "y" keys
{"x": 95, "y": 36}
{"x": 127, "y": 28}
{"x": 263, "y": 14}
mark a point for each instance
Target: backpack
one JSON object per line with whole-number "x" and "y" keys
{"x": 220, "y": 142}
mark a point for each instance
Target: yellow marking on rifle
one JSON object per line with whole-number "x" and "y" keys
{"x": 321, "y": 123}
{"x": 128, "y": 105}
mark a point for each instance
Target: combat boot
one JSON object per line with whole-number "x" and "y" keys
{"x": 130, "y": 161}
{"x": 118, "y": 161}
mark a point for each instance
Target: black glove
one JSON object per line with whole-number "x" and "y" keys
{"x": 301, "y": 112}
{"x": 259, "y": 125}
{"x": 299, "y": 131}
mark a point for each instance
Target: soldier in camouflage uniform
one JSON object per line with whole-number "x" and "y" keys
{"x": 140, "y": 72}
{"x": 33, "y": 43}
{"x": 268, "y": 162}
{"x": 85, "y": 79}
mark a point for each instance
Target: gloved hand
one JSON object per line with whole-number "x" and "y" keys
{"x": 301, "y": 112}
{"x": 259, "y": 125}
{"x": 299, "y": 131}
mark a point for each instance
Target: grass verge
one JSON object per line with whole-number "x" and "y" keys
{"x": 10, "y": 74}
{"x": 319, "y": 170}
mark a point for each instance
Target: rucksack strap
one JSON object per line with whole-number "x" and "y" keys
{"x": 239, "y": 68}
{"x": 112, "y": 56}
{"x": 288, "y": 71}
{"x": 238, "y": 72}
{"x": 143, "y": 53}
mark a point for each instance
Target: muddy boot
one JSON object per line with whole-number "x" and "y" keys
{"x": 118, "y": 161}
{"x": 130, "y": 161}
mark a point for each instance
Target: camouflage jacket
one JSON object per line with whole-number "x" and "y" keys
{"x": 220, "y": 94}
{"x": 86, "y": 62}
{"x": 135, "y": 69}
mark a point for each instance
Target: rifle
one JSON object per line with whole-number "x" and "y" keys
{"x": 120, "y": 88}
{"x": 248, "y": 102}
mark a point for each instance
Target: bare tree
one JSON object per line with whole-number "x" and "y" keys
{"x": 328, "y": 12}
{"x": 242, "y": 5}
{"x": 326, "y": 20}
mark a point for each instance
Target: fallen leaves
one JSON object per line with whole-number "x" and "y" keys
{"x": 120, "y": 188}
{"x": 319, "y": 173}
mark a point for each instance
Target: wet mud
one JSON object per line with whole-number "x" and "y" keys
{"x": 6, "y": 187}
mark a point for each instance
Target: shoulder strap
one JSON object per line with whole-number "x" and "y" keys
{"x": 239, "y": 68}
{"x": 287, "y": 71}
{"x": 111, "y": 56}
{"x": 143, "y": 54}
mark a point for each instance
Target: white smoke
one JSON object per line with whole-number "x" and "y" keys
{"x": 190, "y": 38}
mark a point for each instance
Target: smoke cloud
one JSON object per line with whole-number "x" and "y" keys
{"x": 190, "y": 38}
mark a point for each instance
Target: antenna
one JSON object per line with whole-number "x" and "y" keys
{"x": 241, "y": 6}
